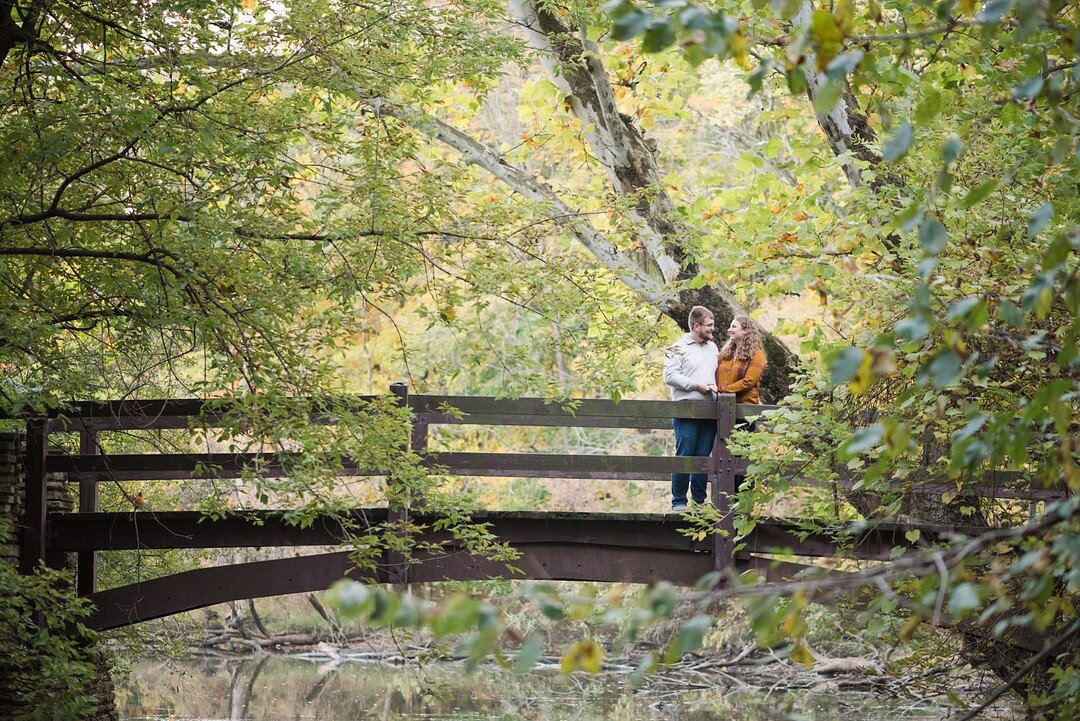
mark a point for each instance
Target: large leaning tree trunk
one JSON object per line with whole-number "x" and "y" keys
{"x": 629, "y": 159}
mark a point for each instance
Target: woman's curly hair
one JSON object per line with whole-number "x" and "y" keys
{"x": 751, "y": 341}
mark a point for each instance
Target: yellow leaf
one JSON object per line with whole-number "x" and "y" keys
{"x": 250, "y": 4}
{"x": 826, "y": 37}
{"x": 864, "y": 376}
{"x": 968, "y": 6}
{"x": 801, "y": 654}
{"x": 584, "y": 655}
{"x": 909, "y": 628}
{"x": 844, "y": 14}
{"x": 738, "y": 50}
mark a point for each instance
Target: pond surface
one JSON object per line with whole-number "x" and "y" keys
{"x": 280, "y": 688}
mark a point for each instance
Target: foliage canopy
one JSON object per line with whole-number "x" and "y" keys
{"x": 209, "y": 198}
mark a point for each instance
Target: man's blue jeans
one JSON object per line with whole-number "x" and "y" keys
{"x": 693, "y": 437}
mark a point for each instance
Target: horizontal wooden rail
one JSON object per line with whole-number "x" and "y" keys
{"x": 543, "y": 465}
{"x": 471, "y": 410}
{"x": 190, "y": 529}
{"x": 586, "y": 413}
{"x": 173, "y": 466}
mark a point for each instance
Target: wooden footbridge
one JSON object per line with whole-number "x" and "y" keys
{"x": 639, "y": 548}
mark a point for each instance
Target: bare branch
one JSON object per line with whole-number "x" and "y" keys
{"x": 651, "y": 290}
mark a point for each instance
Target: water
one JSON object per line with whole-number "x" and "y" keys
{"x": 280, "y": 688}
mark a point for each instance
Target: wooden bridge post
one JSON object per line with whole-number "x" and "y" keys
{"x": 86, "y": 580}
{"x": 723, "y": 487}
{"x": 32, "y": 552}
{"x": 396, "y": 563}
{"x": 418, "y": 443}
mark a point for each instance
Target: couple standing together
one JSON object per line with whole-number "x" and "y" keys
{"x": 696, "y": 370}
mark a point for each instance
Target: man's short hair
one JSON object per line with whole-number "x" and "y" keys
{"x": 698, "y": 314}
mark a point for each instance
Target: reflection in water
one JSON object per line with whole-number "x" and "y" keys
{"x": 282, "y": 688}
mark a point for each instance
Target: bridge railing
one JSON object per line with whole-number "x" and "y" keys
{"x": 90, "y": 466}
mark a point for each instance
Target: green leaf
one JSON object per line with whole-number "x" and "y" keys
{"x": 993, "y": 11}
{"x": 551, "y": 609}
{"x": 933, "y": 236}
{"x": 897, "y": 146}
{"x": 863, "y": 440}
{"x": 1056, "y": 254}
{"x": 979, "y": 193}
{"x": 528, "y": 654}
{"x": 659, "y": 36}
{"x": 352, "y": 600}
{"x": 688, "y": 638}
{"x": 944, "y": 368}
{"x": 826, "y": 37}
{"x": 460, "y": 614}
{"x": 708, "y": 581}
{"x": 951, "y": 150}
{"x": 928, "y": 109}
{"x": 632, "y": 24}
{"x": 1039, "y": 295}
{"x": 757, "y": 77}
{"x": 961, "y": 308}
{"x": 1040, "y": 218}
{"x": 648, "y": 663}
{"x": 913, "y": 535}
{"x": 911, "y": 217}
{"x": 844, "y": 64}
{"x": 845, "y": 365}
{"x": 661, "y": 599}
{"x": 970, "y": 429}
{"x": 913, "y": 329}
{"x": 1029, "y": 89}
{"x": 695, "y": 17}
{"x": 1011, "y": 314}
{"x": 826, "y": 96}
{"x": 964, "y": 598}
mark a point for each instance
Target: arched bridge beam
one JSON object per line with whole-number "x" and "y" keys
{"x": 190, "y": 590}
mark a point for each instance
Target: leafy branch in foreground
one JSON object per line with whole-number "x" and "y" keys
{"x": 968, "y": 582}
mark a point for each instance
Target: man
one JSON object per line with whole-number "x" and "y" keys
{"x": 690, "y": 371}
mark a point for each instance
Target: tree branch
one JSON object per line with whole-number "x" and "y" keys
{"x": 1022, "y": 672}
{"x": 650, "y": 289}
{"x": 154, "y": 257}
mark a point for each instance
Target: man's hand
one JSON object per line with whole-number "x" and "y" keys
{"x": 706, "y": 388}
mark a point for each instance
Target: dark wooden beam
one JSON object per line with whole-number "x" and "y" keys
{"x": 188, "y": 529}
{"x": 156, "y": 598}
{"x": 86, "y": 580}
{"x": 32, "y": 546}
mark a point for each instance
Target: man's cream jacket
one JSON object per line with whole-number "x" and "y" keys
{"x": 687, "y": 363}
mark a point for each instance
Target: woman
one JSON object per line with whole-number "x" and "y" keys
{"x": 742, "y": 361}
